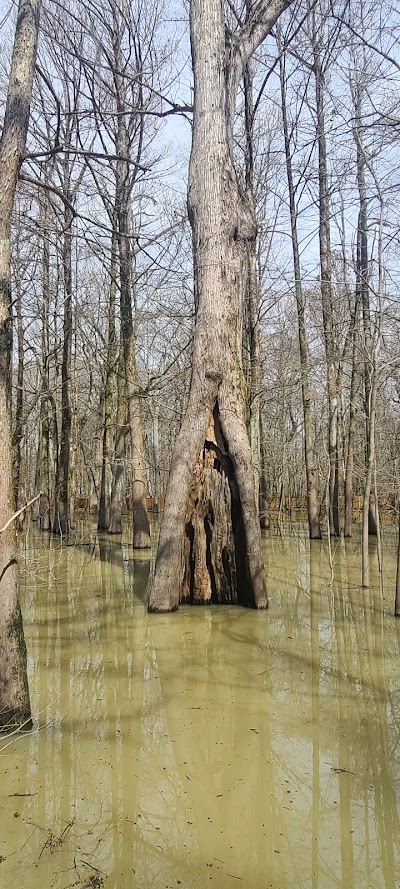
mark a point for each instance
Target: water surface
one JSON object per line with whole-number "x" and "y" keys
{"x": 213, "y": 747}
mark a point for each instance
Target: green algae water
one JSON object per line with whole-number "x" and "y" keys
{"x": 215, "y": 747}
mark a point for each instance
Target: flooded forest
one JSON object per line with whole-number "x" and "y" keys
{"x": 199, "y": 444}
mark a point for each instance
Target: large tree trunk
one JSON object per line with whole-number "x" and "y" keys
{"x": 210, "y": 539}
{"x": 14, "y": 693}
{"x": 312, "y": 493}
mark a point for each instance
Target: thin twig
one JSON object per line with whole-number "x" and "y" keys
{"x": 23, "y": 508}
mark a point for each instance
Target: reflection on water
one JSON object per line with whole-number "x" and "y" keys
{"x": 213, "y": 747}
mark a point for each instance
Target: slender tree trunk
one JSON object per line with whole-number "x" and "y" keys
{"x": 15, "y": 709}
{"x": 61, "y": 524}
{"x": 109, "y": 390}
{"x": 326, "y": 292}
{"x": 42, "y": 474}
{"x": 363, "y": 289}
{"x": 312, "y": 494}
{"x": 19, "y": 399}
{"x": 119, "y": 459}
{"x": 210, "y": 540}
{"x": 369, "y": 475}
{"x": 397, "y": 596}
{"x": 141, "y": 527}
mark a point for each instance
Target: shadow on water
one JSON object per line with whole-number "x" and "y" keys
{"x": 215, "y": 746}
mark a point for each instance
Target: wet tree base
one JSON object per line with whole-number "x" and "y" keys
{"x": 214, "y": 544}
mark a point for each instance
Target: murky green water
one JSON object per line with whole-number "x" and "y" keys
{"x": 213, "y": 747}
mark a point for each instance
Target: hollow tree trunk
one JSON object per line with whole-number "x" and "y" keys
{"x": 14, "y": 693}
{"x": 210, "y": 539}
{"x": 312, "y": 494}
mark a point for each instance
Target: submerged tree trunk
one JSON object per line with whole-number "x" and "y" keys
{"x": 210, "y": 538}
{"x": 15, "y": 709}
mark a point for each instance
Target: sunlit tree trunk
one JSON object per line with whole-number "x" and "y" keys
{"x": 210, "y": 540}
{"x": 14, "y": 693}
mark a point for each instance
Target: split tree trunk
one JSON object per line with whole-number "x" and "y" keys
{"x": 15, "y": 709}
{"x": 210, "y": 540}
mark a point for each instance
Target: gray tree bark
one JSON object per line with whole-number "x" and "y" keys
{"x": 15, "y": 709}
{"x": 210, "y": 540}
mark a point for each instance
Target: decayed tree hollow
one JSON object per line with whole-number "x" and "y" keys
{"x": 210, "y": 540}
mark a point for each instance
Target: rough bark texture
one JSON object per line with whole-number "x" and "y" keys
{"x": 224, "y": 231}
{"x": 14, "y": 694}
